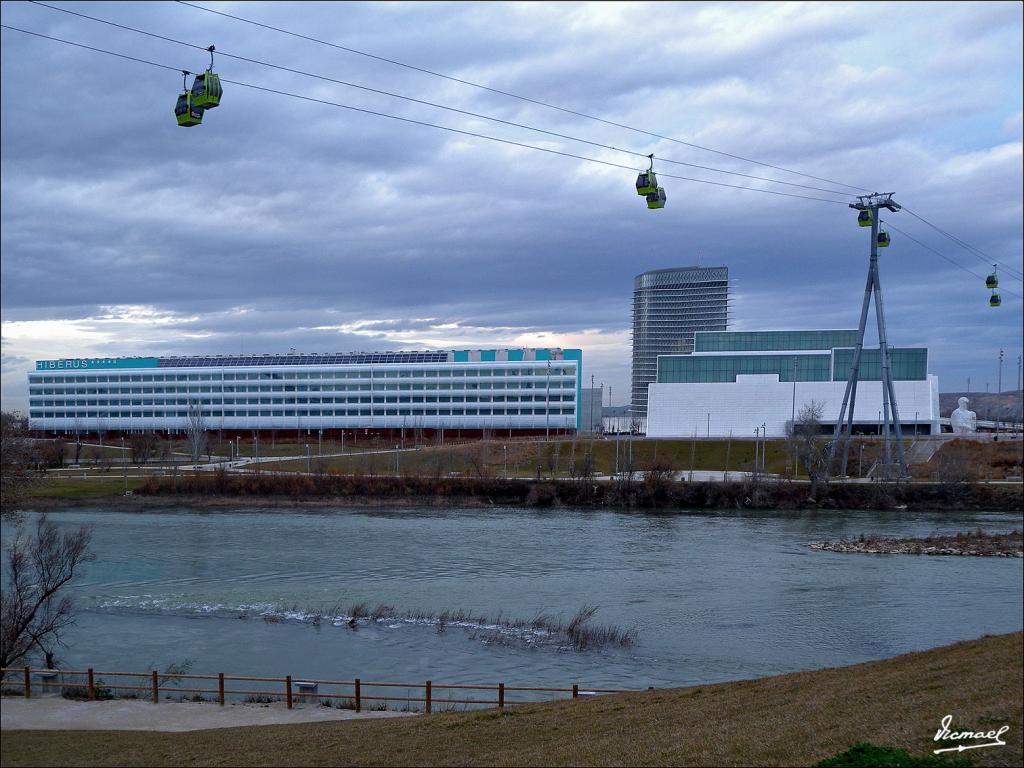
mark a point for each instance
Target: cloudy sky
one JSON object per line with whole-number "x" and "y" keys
{"x": 285, "y": 223}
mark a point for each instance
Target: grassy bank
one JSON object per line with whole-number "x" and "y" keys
{"x": 72, "y": 487}
{"x": 656, "y": 491}
{"x": 795, "y": 719}
{"x": 552, "y": 459}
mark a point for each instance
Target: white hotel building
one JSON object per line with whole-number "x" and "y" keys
{"x": 520, "y": 390}
{"x": 736, "y": 382}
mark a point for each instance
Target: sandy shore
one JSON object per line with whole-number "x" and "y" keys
{"x": 53, "y": 713}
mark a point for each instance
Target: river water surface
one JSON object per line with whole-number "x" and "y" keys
{"x": 713, "y": 596}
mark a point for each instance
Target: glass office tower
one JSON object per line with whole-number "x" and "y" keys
{"x": 669, "y": 307}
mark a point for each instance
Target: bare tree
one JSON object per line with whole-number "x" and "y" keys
{"x": 195, "y": 431}
{"x": 144, "y": 446}
{"x": 806, "y": 445}
{"x": 554, "y": 456}
{"x": 33, "y": 609}
{"x": 477, "y": 458}
{"x": 55, "y": 453}
{"x": 18, "y": 461}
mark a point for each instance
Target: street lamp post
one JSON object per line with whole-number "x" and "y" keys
{"x": 764, "y": 445}
{"x": 504, "y": 459}
{"x": 999, "y": 387}
{"x": 307, "y": 459}
{"x": 861, "y": 462}
{"x": 915, "y": 423}
{"x": 590, "y": 427}
{"x": 796, "y": 367}
{"x": 547, "y": 403}
{"x": 124, "y": 465}
{"x": 1020, "y": 400}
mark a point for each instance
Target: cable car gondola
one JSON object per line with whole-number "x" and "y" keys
{"x": 647, "y": 181}
{"x": 992, "y": 281}
{"x": 206, "y": 89}
{"x": 185, "y": 110}
{"x": 883, "y": 239}
{"x": 657, "y": 199}
{"x": 864, "y": 218}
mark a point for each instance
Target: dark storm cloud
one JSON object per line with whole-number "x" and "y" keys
{"x": 281, "y": 223}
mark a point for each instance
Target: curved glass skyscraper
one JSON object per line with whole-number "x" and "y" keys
{"x": 669, "y": 306}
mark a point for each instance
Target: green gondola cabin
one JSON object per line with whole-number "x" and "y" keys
{"x": 657, "y": 198}
{"x": 995, "y": 300}
{"x": 647, "y": 183}
{"x": 187, "y": 112}
{"x": 992, "y": 281}
{"x": 882, "y": 239}
{"x": 206, "y": 90}
{"x": 864, "y": 218}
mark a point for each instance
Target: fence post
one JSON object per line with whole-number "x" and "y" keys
{"x": 575, "y": 691}
{"x": 359, "y": 701}
{"x": 288, "y": 690}
{"x": 28, "y": 682}
{"x": 426, "y": 699}
{"x": 156, "y": 688}
{"x": 220, "y": 685}
{"x": 501, "y": 695}
{"x": 92, "y": 686}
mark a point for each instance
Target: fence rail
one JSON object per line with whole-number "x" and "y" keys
{"x": 303, "y": 690}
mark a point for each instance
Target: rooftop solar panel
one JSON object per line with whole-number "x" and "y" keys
{"x": 349, "y": 358}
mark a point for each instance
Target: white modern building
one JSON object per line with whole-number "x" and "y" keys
{"x": 534, "y": 390}
{"x": 734, "y": 383}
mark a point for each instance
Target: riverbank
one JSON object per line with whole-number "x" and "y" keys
{"x": 970, "y": 544}
{"x": 794, "y": 719}
{"x": 653, "y": 491}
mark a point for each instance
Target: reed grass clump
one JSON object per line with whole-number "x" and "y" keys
{"x": 578, "y": 633}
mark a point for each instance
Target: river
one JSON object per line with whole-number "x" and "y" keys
{"x": 712, "y": 596}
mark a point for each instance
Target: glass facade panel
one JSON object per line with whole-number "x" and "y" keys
{"x": 701, "y": 369}
{"x": 772, "y": 341}
{"x": 908, "y": 364}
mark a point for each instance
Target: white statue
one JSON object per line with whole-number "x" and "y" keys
{"x": 963, "y": 421}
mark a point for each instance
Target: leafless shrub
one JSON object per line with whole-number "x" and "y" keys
{"x": 34, "y": 607}
{"x": 18, "y": 461}
{"x": 806, "y": 445}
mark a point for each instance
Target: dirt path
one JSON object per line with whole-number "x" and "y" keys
{"x": 53, "y": 713}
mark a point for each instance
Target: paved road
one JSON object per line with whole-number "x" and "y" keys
{"x": 50, "y": 713}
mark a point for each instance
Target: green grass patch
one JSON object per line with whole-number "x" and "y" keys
{"x": 866, "y": 755}
{"x": 83, "y": 488}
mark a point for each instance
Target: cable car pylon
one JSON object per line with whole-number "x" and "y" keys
{"x": 868, "y": 206}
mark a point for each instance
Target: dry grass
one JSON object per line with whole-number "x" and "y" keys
{"x": 557, "y": 458}
{"x": 973, "y": 460}
{"x": 794, "y": 719}
{"x": 970, "y": 543}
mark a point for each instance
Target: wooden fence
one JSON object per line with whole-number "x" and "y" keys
{"x": 152, "y": 684}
